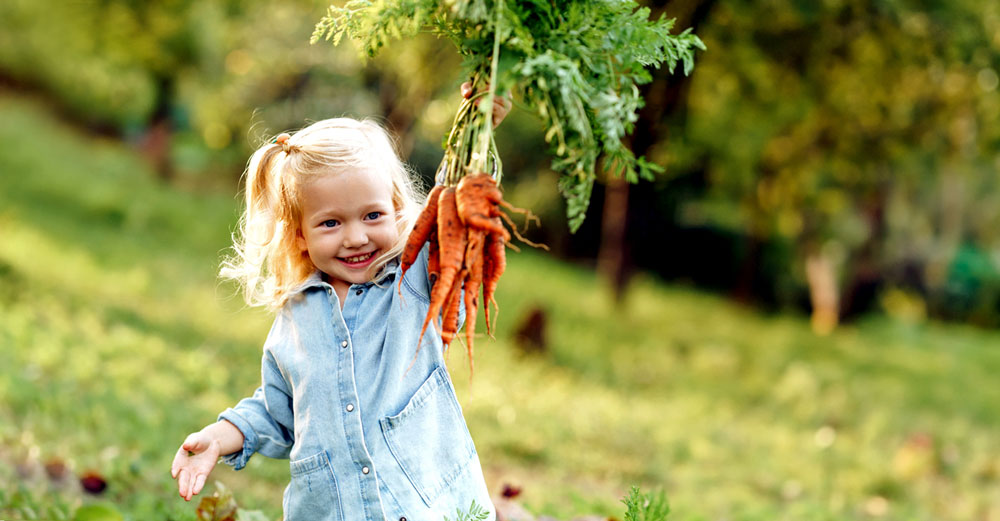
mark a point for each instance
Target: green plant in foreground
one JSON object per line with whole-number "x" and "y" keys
{"x": 576, "y": 63}
{"x": 645, "y": 507}
{"x": 475, "y": 512}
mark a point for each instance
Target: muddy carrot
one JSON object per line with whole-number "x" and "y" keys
{"x": 449, "y": 322}
{"x": 451, "y": 240}
{"x": 477, "y": 197}
{"x": 495, "y": 254}
{"x": 425, "y": 224}
{"x": 474, "y": 263}
{"x": 433, "y": 258}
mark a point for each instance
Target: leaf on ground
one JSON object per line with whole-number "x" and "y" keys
{"x": 220, "y": 506}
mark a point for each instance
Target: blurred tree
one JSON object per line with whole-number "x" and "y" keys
{"x": 865, "y": 132}
{"x": 182, "y": 79}
{"x": 405, "y": 84}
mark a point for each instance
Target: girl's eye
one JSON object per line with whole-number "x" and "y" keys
{"x": 374, "y": 215}
{"x": 329, "y": 223}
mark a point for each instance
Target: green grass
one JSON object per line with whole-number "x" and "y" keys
{"x": 116, "y": 340}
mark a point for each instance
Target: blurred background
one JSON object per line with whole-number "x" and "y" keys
{"x": 797, "y": 320}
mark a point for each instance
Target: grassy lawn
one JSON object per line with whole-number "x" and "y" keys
{"x": 116, "y": 340}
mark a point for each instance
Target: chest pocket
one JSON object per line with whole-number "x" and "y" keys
{"x": 429, "y": 438}
{"x": 312, "y": 494}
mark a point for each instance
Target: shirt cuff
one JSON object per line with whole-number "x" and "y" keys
{"x": 239, "y": 459}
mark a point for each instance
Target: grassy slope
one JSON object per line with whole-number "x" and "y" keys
{"x": 116, "y": 340}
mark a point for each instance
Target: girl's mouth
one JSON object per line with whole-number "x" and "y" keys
{"x": 359, "y": 261}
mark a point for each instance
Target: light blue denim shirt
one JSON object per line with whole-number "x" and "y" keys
{"x": 368, "y": 438}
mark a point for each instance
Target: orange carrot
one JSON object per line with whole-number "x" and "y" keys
{"x": 474, "y": 264}
{"x": 495, "y": 255}
{"x": 421, "y": 230}
{"x": 488, "y": 264}
{"x": 477, "y": 197}
{"x": 433, "y": 258}
{"x": 449, "y": 322}
{"x": 451, "y": 240}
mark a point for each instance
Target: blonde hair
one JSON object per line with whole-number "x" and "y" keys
{"x": 267, "y": 261}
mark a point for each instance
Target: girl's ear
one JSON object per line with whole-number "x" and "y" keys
{"x": 300, "y": 240}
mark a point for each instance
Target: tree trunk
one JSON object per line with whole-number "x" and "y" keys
{"x": 611, "y": 258}
{"x": 865, "y": 273}
{"x": 155, "y": 142}
{"x": 824, "y": 296}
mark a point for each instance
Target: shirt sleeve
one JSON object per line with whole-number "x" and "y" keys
{"x": 416, "y": 278}
{"x": 265, "y": 419}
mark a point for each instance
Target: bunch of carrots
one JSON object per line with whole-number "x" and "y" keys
{"x": 467, "y": 251}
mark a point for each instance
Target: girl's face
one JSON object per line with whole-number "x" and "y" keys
{"x": 348, "y": 220}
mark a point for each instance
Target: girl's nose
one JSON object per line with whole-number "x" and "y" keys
{"x": 355, "y": 237}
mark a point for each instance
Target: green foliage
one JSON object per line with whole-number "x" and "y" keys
{"x": 475, "y": 512}
{"x": 392, "y": 21}
{"x": 223, "y": 73}
{"x": 577, "y": 65}
{"x": 645, "y": 507}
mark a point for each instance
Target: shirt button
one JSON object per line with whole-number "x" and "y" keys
{"x": 364, "y": 470}
{"x": 343, "y": 344}
{"x": 350, "y": 407}
{"x": 358, "y": 292}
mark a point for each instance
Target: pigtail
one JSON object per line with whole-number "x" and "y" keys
{"x": 259, "y": 226}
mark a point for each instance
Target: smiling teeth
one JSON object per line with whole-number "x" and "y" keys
{"x": 359, "y": 258}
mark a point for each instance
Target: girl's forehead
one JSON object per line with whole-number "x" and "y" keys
{"x": 354, "y": 174}
{"x": 346, "y": 188}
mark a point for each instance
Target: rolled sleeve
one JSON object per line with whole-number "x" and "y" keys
{"x": 265, "y": 419}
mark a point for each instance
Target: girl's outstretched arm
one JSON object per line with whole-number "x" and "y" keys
{"x": 200, "y": 452}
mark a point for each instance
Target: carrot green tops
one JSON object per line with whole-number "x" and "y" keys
{"x": 368, "y": 438}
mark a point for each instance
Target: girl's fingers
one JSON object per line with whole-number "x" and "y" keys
{"x": 198, "y": 483}
{"x": 195, "y": 443}
{"x": 501, "y": 106}
{"x": 182, "y": 483}
{"x": 191, "y": 443}
{"x": 179, "y": 458}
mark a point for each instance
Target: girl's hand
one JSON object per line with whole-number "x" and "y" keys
{"x": 501, "y": 104}
{"x": 194, "y": 461}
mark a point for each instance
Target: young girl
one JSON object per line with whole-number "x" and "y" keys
{"x": 369, "y": 436}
